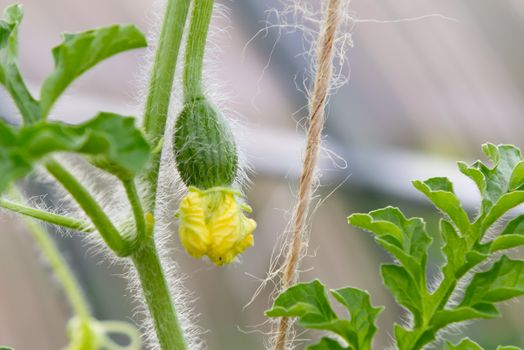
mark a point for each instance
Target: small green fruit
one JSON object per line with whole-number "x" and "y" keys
{"x": 204, "y": 147}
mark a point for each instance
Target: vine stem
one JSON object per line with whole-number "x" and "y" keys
{"x": 138, "y": 211}
{"x": 145, "y": 258}
{"x": 160, "y": 87}
{"x": 317, "y": 104}
{"x": 91, "y": 207}
{"x": 158, "y": 297}
{"x": 196, "y": 47}
{"x": 61, "y": 269}
{"x": 55, "y": 219}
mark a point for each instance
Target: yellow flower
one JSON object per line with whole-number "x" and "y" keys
{"x": 212, "y": 223}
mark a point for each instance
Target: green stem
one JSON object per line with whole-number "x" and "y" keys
{"x": 91, "y": 207}
{"x": 55, "y": 219}
{"x": 59, "y": 266}
{"x": 138, "y": 211}
{"x": 160, "y": 86}
{"x": 195, "y": 49}
{"x": 158, "y": 298}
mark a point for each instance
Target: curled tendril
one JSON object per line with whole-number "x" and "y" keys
{"x": 95, "y": 335}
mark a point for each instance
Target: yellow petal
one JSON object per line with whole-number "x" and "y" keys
{"x": 193, "y": 232}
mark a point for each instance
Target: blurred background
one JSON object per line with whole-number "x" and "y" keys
{"x": 422, "y": 95}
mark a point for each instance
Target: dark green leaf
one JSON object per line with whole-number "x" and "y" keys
{"x": 363, "y": 314}
{"x": 465, "y": 344}
{"x": 13, "y": 160}
{"x": 111, "y": 139}
{"x": 405, "y": 290}
{"x": 308, "y": 301}
{"x": 439, "y": 190}
{"x": 10, "y": 75}
{"x": 80, "y": 52}
{"x": 505, "y": 280}
{"x": 327, "y": 344}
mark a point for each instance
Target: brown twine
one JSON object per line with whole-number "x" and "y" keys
{"x": 317, "y": 104}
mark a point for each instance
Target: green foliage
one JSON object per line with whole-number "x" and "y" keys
{"x": 80, "y": 52}
{"x": 465, "y": 246}
{"x": 468, "y": 344}
{"x": 309, "y": 302}
{"x": 10, "y": 75}
{"x": 111, "y": 139}
{"x": 204, "y": 147}
{"x": 112, "y": 142}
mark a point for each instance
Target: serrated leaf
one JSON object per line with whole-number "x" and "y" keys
{"x": 363, "y": 314}
{"x": 81, "y": 51}
{"x": 502, "y": 177}
{"x": 309, "y": 302}
{"x": 405, "y": 239}
{"x": 327, "y": 344}
{"x": 439, "y": 191}
{"x": 10, "y": 75}
{"x": 404, "y": 289}
{"x": 505, "y": 280}
{"x": 465, "y": 344}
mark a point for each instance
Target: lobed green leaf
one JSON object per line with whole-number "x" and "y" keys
{"x": 504, "y": 281}
{"x": 309, "y": 302}
{"x": 406, "y": 291}
{"x": 81, "y": 51}
{"x": 439, "y": 190}
{"x": 10, "y": 75}
{"x": 111, "y": 139}
{"x": 407, "y": 240}
{"x": 363, "y": 314}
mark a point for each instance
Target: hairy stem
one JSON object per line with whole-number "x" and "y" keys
{"x": 146, "y": 261}
{"x": 160, "y": 87}
{"x": 60, "y": 268}
{"x": 158, "y": 298}
{"x": 138, "y": 211}
{"x": 196, "y": 47}
{"x": 55, "y": 219}
{"x": 91, "y": 207}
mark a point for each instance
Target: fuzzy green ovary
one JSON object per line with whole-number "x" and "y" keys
{"x": 204, "y": 147}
